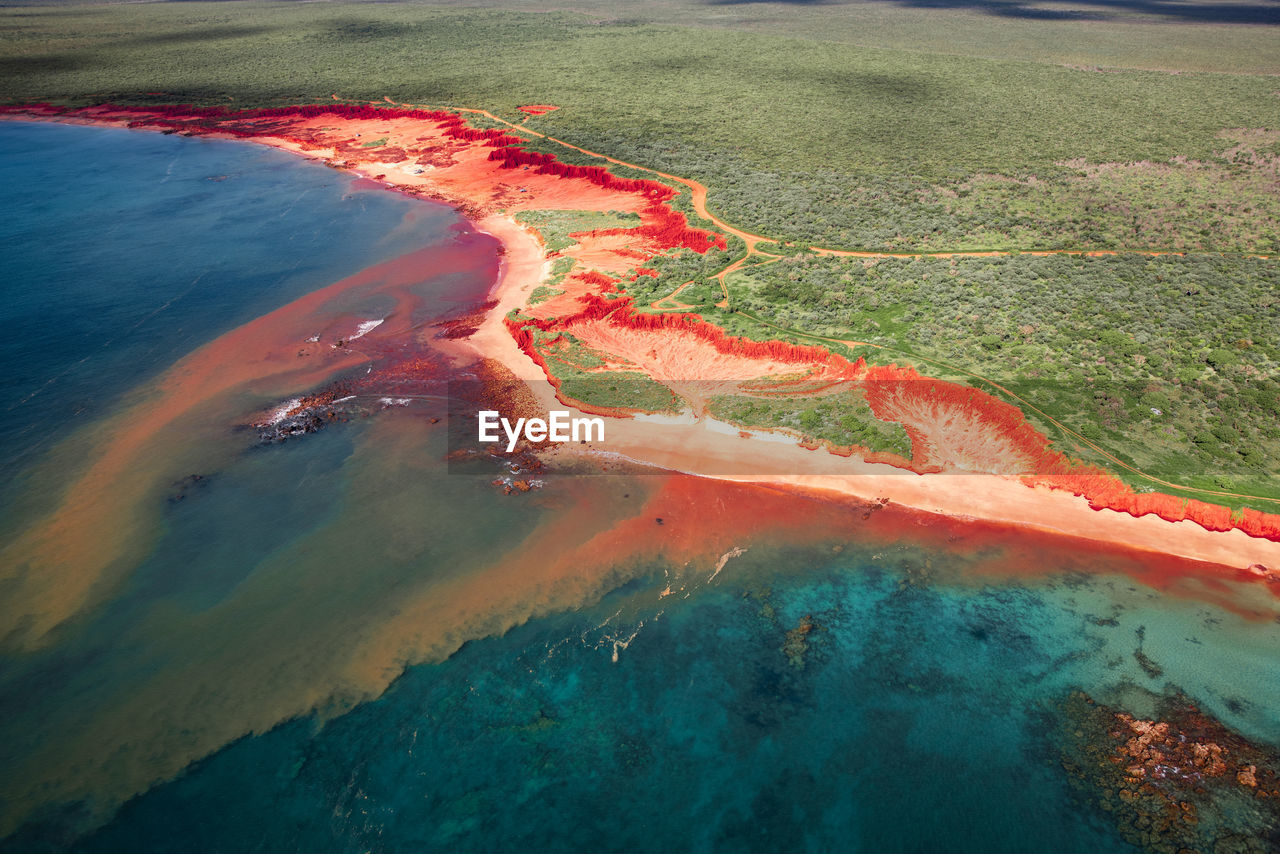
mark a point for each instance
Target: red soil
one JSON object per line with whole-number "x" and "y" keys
{"x": 538, "y": 109}
{"x": 668, "y": 229}
{"x": 953, "y": 427}
{"x": 615, "y": 254}
{"x": 958, "y": 428}
{"x": 1104, "y": 490}
{"x": 547, "y": 164}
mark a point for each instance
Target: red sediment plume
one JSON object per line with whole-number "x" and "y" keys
{"x": 324, "y": 397}
{"x": 694, "y": 522}
{"x": 465, "y": 325}
{"x": 949, "y": 424}
{"x": 76, "y": 549}
{"x": 413, "y": 374}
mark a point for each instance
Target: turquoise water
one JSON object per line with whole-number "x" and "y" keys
{"x": 125, "y": 250}
{"x": 324, "y": 645}
{"x": 916, "y": 723}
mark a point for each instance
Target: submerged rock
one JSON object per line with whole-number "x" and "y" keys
{"x": 797, "y": 641}
{"x": 182, "y": 488}
{"x": 1179, "y": 782}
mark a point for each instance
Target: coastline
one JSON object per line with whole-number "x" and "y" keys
{"x": 697, "y": 449}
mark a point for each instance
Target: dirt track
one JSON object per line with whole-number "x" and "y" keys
{"x": 698, "y": 197}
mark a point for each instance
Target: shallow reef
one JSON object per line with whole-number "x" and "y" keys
{"x": 1178, "y": 783}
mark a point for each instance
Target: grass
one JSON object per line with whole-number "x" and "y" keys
{"x": 555, "y": 226}
{"x": 678, "y": 267}
{"x": 584, "y": 376}
{"x": 862, "y": 126}
{"x": 843, "y": 419}
{"x": 1097, "y": 344}
{"x": 827, "y": 141}
{"x": 619, "y": 390}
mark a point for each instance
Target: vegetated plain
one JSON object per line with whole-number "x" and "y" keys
{"x": 861, "y": 127}
{"x": 1179, "y": 383}
{"x": 829, "y": 143}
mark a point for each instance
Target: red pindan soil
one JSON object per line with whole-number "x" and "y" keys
{"x": 434, "y": 153}
{"x": 957, "y": 428}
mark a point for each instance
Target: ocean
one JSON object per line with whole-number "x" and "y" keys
{"x": 216, "y": 636}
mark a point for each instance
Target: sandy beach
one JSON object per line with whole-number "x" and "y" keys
{"x": 462, "y": 174}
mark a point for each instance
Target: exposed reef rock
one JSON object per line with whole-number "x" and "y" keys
{"x": 306, "y": 415}
{"x": 1181, "y": 782}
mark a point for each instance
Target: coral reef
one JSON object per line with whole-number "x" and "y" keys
{"x": 1181, "y": 782}
{"x": 797, "y": 644}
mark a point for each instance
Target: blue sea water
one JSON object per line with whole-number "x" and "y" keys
{"x": 914, "y": 721}
{"x": 124, "y": 250}
{"x": 229, "y": 694}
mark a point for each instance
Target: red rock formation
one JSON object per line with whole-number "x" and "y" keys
{"x": 547, "y": 164}
{"x": 888, "y": 388}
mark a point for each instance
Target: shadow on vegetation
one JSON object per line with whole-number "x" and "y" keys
{"x": 1267, "y": 12}
{"x": 203, "y": 34}
{"x": 15, "y": 65}
{"x": 901, "y": 89}
{"x": 367, "y": 30}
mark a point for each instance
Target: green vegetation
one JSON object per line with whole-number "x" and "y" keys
{"x": 563, "y": 349}
{"x": 799, "y": 132}
{"x": 676, "y": 267}
{"x": 542, "y": 293}
{"x": 1170, "y": 363}
{"x": 858, "y": 126}
{"x": 1224, "y": 201}
{"x": 843, "y": 418}
{"x": 702, "y": 294}
{"x": 584, "y": 375}
{"x": 555, "y": 226}
{"x": 619, "y": 389}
